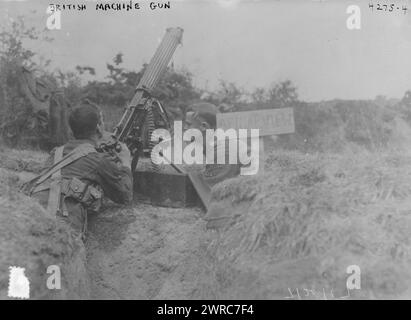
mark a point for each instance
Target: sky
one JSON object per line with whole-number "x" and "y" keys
{"x": 253, "y": 43}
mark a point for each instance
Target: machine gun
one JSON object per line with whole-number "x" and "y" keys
{"x": 144, "y": 113}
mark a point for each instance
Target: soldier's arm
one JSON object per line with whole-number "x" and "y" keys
{"x": 116, "y": 180}
{"x": 215, "y": 173}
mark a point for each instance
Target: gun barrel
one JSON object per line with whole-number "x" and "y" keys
{"x": 153, "y": 73}
{"x": 161, "y": 58}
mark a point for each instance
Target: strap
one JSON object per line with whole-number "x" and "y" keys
{"x": 55, "y": 186}
{"x": 79, "y": 152}
{"x": 86, "y": 194}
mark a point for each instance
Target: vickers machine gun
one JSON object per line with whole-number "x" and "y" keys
{"x": 144, "y": 113}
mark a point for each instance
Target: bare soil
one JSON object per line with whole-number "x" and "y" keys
{"x": 147, "y": 252}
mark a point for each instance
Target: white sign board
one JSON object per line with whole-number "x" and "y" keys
{"x": 269, "y": 121}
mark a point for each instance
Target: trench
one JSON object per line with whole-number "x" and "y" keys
{"x": 134, "y": 252}
{"x": 147, "y": 252}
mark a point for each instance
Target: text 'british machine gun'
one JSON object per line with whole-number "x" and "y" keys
{"x": 144, "y": 113}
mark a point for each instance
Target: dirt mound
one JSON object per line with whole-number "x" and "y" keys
{"x": 315, "y": 215}
{"x": 29, "y": 238}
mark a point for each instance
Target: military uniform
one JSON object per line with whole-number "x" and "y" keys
{"x": 216, "y": 172}
{"x": 217, "y": 216}
{"x": 82, "y": 184}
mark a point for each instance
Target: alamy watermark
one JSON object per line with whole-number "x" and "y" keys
{"x": 353, "y": 282}
{"x": 19, "y": 283}
{"x": 191, "y": 147}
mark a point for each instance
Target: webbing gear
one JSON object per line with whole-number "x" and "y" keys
{"x": 88, "y": 195}
{"x": 59, "y": 187}
{"x": 79, "y": 152}
{"x": 55, "y": 186}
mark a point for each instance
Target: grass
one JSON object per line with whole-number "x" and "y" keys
{"x": 334, "y": 210}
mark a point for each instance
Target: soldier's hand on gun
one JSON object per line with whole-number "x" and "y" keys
{"x": 124, "y": 155}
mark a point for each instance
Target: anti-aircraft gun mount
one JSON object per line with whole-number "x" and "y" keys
{"x": 142, "y": 116}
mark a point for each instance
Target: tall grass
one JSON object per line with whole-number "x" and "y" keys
{"x": 336, "y": 210}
